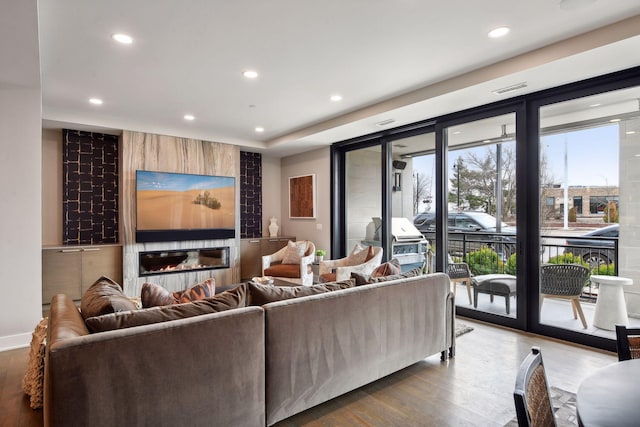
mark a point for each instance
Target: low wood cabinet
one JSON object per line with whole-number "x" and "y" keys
{"x": 252, "y": 250}
{"x": 71, "y": 270}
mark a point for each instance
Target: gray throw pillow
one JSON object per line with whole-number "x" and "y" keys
{"x": 264, "y": 294}
{"x": 103, "y": 297}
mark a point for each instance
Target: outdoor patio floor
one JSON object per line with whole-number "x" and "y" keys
{"x": 555, "y": 312}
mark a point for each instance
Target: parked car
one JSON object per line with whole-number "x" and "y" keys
{"x": 595, "y": 247}
{"x": 469, "y": 230}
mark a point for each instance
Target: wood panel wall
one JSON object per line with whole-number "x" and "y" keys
{"x": 143, "y": 151}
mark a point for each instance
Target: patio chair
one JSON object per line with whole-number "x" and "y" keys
{"x": 564, "y": 281}
{"x": 531, "y": 393}
{"x": 459, "y": 272}
{"x": 627, "y": 342}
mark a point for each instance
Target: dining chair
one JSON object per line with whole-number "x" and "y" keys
{"x": 564, "y": 281}
{"x": 627, "y": 342}
{"x": 531, "y": 393}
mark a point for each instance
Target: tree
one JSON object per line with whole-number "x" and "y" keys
{"x": 421, "y": 189}
{"x": 610, "y": 213}
{"x": 477, "y": 177}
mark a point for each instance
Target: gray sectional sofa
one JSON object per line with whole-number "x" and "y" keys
{"x": 249, "y": 366}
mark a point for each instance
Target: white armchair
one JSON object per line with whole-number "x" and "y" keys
{"x": 300, "y": 273}
{"x": 355, "y": 262}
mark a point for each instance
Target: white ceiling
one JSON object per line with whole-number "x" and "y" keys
{"x": 405, "y": 60}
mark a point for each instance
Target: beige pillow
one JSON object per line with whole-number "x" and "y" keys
{"x": 295, "y": 251}
{"x": 358, "y": 254}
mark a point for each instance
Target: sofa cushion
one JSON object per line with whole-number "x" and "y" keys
{"x": 295, "y": 251}
{"x": 103, "y": 297}
{"x": 227, "y": 300}
{"x": 387, "y": 269}
{"x": 264, "y": 294}
{"x": 283, "y": 270}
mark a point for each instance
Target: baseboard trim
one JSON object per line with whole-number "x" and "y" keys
{"x": 12, "y": 342}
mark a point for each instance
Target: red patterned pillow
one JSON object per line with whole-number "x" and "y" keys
{"x": 387, "y": 269}
{"x": 202, "y": 290}
{"x": 153, "y": 295}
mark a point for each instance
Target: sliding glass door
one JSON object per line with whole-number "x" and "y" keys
{"x": 589, "y": 163}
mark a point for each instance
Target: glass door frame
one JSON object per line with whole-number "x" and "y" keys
{"x": 516, "y": 107}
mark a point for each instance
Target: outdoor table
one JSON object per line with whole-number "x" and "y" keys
{"x": 609, "y": 396}
{"x": 610, "y": 306}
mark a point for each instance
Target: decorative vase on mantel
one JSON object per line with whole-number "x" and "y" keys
{"x": 273, "y": 227}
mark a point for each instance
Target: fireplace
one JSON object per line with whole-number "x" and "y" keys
{"x": 182, "y": 260}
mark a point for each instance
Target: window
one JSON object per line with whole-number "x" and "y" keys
{"x": 551, "y": 201}
{"x": 577, "y": 203}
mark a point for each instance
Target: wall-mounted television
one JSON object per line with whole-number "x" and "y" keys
{"x": 179, "y": 206}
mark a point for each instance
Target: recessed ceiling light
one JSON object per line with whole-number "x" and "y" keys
{"x": 457, "y": 132}
{"x": 336, "y": 98}
{"x": 499, "y": 32}
{"x": 122, "y": 38}
{"x": 95, "y": 101}
{"x": 594, "y": 105}
{"x": 631, "y": 132}
{"x": 259, "y": 129}
{"x": 614, "y": 120}
{"x": 250, "y": 74}
{"x": 189, "y": 117}
{"x": 487, "y": 140}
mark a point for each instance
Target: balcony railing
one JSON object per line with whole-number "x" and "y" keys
{"x": 599, "y": 254}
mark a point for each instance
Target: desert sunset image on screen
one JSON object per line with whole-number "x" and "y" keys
{"x": 176, "y": 201}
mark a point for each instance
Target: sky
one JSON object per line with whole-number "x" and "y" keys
{"x": 592, "y": 157}
{"x": 147, "y": 180}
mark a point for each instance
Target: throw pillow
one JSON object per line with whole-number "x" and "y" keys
{"x": 103, "y": 297}
{"x": 295, "y": 251}
{"x": 153, "y": 295}
{"x": 370, "y": 254}
{"x": 227, "y": 300}
{"x": 411, "y": 273}
{"x": 261, "y": 294}
{"x": 361, "y": 279}
{"x": 358, "y": 254}
{"x": 386, "y": 269}
{"x": 202, "y": 290}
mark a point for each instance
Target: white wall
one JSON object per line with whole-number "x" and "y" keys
{"x": 20, "y": 172}
{"x": 317, "y": 230}
{"x": 629, "y": 242}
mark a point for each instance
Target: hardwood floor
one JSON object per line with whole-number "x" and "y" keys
{"x": 473, "y": 389}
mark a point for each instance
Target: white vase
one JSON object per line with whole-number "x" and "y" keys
{"x": 273, "y": 226}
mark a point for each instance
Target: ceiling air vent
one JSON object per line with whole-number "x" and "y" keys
{"x": 511, "y": 88}
{"x": 385, "y": 122}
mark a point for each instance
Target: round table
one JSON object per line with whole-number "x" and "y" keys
{"x": 609, "y": 396}
{"x": 610, "y": 305}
